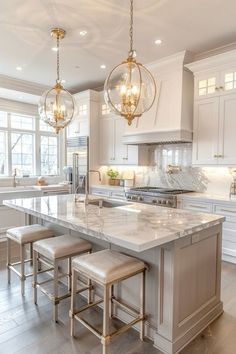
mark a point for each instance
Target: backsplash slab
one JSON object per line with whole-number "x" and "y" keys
{"x": 212, "y": 180}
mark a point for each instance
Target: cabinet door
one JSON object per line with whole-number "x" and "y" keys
{"x": 205, "y": 136}
{"x": 119, "y": 153}
{"x": 227, "y": 138}
{"x": 83, "y": 129}
{"x": 207, "y": 85}
{"x": 106, "y": 141}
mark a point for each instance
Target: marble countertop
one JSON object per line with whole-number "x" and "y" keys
{"x": 207, "y": 197}
{"x": 133, "y": 226}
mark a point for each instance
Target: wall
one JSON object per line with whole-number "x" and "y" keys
{"x": 214, "y": 180}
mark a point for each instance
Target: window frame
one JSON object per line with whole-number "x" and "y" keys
{"x": 37, "y": 133}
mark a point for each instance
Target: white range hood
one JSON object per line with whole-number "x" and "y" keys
{"x": 171, "y": 116}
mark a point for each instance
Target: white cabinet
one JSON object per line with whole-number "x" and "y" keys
{"x": 205, "y": 136}
{"x": 226, "y": 209}
{"x": 80, "y": 124}
{"x": 214, "y": 140}
{"x": 106, "y": 141}
{"x": 112, "y": 150}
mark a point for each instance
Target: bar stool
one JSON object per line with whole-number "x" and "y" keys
{"x": 108, "y": 268}
{"x": 24, "y": 235}
{"x": 50, "y": 252}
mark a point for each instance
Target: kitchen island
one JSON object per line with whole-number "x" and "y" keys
{"x": 182, "y": 248}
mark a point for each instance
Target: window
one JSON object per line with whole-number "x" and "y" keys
{"x": 3, "y": 153}
{"x": 22, "y": 153}
{"x": 28, "y": 145}
{"x": 49, "y": 164}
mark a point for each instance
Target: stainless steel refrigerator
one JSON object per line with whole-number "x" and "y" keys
{"x": 78, "y": 158}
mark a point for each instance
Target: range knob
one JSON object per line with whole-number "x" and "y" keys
{"x": 159, "y": 201}
{"x": 154, "y": 201}
{"x": 140, "y": 199}
{"x": 129, "y": 197}
{"x": 169, "y": 202}
{"x": 134, "y": 197}
{"x": 163, "y": 202}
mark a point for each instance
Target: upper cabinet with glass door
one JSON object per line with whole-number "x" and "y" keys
{"x": 207, "y": 85}
{"x": 79, "y": 124}
{"x": 228, "y": 80}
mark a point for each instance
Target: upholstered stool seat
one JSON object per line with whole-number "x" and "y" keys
{"x": 50, "y": 252}
{"x": 29, "y": 233}
{"x": 62, "y": 246}
{"x": 108, "y": 268}
{"x": 24, "y": 235}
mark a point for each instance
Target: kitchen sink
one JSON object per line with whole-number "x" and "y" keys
{"x": 107, "y": 203}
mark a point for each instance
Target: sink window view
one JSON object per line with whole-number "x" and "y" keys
{"x": 117, "y": 177}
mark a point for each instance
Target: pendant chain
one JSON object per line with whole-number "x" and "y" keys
{"x": 131, "y": 25}
{"x": 58, "y": 60}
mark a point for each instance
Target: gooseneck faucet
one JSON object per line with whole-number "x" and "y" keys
{"x": 86, "y": 199}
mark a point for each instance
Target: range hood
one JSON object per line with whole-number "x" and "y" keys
{"x": 171, "y": 117}
{"x": 161, "y": 137}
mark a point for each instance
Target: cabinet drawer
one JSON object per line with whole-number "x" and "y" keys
{"x": 229, "y": 234}
{"x": 197, "y": 206}
{"x": 118, "y": 195}
{"x": 103, "y": 192}
{"x": 229, "y": 248}
{"x": 227, "y": 211}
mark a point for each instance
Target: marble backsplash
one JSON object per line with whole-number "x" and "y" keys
{"x": 214, "y": 180}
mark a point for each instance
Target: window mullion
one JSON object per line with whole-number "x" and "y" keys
{"x": 9, "y": 156}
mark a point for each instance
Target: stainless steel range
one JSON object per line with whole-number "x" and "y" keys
{"x": 166, "y": 197}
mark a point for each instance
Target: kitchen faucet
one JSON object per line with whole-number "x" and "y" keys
{"x": 86, "y": 199}
{"x": 14, "y": 178}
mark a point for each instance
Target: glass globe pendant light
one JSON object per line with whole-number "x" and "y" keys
{"x": 130, "y": 89}
{"x": 56, "y": 105}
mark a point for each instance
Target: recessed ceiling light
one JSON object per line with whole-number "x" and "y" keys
{"x": 158, "y": 41}
{"x": 20, "y": 98}
{"x": 83, "y": 33}
{"x": 19, "y": 68}
{"x": 55, "y": 49}
{"x": 103, "y": 66}
{"x": 63, "y": 81}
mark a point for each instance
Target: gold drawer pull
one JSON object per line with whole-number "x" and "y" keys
{"x": 197, "y": 206}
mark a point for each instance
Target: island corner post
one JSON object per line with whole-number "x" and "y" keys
{"x": 183, "y": 282}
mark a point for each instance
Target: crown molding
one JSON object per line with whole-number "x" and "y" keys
{"x": 18, "y": 107}
{"x": 12, "y": 83}
{"x": 213, "y": 62}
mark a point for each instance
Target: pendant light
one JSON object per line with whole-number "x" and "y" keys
{"x": 56, "y": 105}
{"x": 130, "y": 89}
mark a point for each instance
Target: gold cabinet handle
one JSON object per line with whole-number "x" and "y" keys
{"x": 215, "y": 156}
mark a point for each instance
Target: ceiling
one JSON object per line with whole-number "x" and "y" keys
{"x": 195, "y": 25}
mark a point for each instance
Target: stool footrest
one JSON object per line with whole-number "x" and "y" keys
{"x": 89, "y": 326}
{"x": 127, "y": 307}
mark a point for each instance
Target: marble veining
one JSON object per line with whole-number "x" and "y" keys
{"x": 134, "y": 226}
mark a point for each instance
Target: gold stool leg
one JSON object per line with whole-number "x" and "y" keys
{"x": 35, "y": 273}
{"x": 73, "y": 302}
{"x": 69, "y": 274}
{"x": 22, "y": 268}
{"x": 142, "y": 305}
{"x": 8, "y": 260}
{"x": 31, "y": 253}
{"x": 111, "y": 310}
{"x": 105, "y": 331}
{"x": 55, "y": 289}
